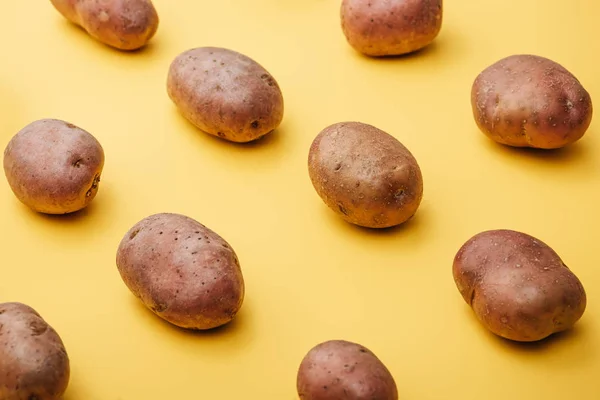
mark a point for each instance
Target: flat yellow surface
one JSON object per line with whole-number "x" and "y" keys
{"x": 309, "y": 276}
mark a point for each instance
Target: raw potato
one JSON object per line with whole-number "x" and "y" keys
{"x": 518, "y": 287}
{"x": 123, "y": 24}
{"x": 181, "y": 270}
{"x": 225, "y": 94}
{"x": 34, "y": 364}
{"x": 530, "y": 101}
{"x": 342, "y": 370}
{"x": 53, "y": 166}
{"x": 391, "y": 27}
{"x": 365, "y": 175}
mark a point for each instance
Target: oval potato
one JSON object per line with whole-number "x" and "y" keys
{"x": 181, "y": 270}
{"x": 530, "y": 101}
{"x": 54, "y": 167}
{"x": 518, "y": 287}
{"x": 122, "y": 24}
{"x": 365, "y": 175}
{"x": 391, "y": 27}
{"x": 225, "y": 93}
{"x": 342, "y": 370}
{"x": 33, "y": 361}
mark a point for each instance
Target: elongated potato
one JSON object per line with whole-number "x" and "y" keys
{"x": 225, "y": 94}
{"x": 342, "y": 370}
{"x": 391, "y": 27}
{"x": 34, "y": 364}
{"x": 518, "y": 287}
{"x": 54, "y": 167}
{"x": 530, "y": 101}
{"x": 365, "y": 175}
{"x": 184, "y": 272}
{"x": 123, "y": 24}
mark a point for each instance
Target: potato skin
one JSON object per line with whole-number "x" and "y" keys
{"x": 342, "y": 370}
{"x": 122, "y": 24}
{"x": 33, "y": 361}
{"x": 53, "y": 166}
{"x": 530, "y": 101}
{"x": 365, "y": 175}
{"x": 225, "y": 93}
{"x": 391, "y": 27}
{"x": 182, "y": 271}
{"x": 518, "y": 287}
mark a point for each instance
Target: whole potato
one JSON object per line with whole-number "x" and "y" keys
{"x": 530, "y": 101}
{"x": 342, "y": 370}
{"x": 225, "y": 93}
{"x": 390, "y": 27}
{"x": 518, "y": 287}
{"x": 123, "y": 24}
{"x": 53, "y": 166}
{"x": 181, "y": 270}
{"x": 365, "y": 175}
{"x": 34, "y": 364}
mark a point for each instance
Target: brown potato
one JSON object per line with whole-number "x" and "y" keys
{"x": 342, "y": 370}
{"x": 181, "y": 270}
{"x": 391, "y": 27}
{"x": 365, "y": 175}
{"x": 123, "y": 24}
{"x": 530, "y": 101}
{"x": 34, "y": 364}
{"x": 225, "y": 94}
{"x": 53, "y": 166}
{"x": 518, "y": 287}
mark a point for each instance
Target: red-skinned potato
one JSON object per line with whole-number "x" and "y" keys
{"x": 182, "y": 271}
{"x": 122, "y": 24}
{"x": 54, "y": 167}
{"x": 342, "y": 370}
{"x": 390, "y": 27}
{"x": 518, "y": 287}
{"x": 530, "y": 101}
{"x": 34, "y": 364}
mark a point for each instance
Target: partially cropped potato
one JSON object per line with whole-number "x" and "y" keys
{"x": 530, "y": 101}
{"x": 342, "y": 370}
{"x": 123, "y": 24}
{"x": 181, "y": 270}
{"x": 225, "y": 94}
{"x": 33, "y": 361}
{"x": 518, "y": 287}
{"x": 54, "y": 167}
{"x": 391, "y": 27}
{"x": 365, "y": 175}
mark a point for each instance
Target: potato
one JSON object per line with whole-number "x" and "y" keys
{"x": 225, "y": 94}
{"x": 123, "y": 24}
{"x": 390, "y": 27}
{"x": 365, "y": 175}
{"x": 181, "y": 270}
{"x": 34, "y": 364}
{"x": 518, "y": 287}
{"x": 530, "y": 101}
{"x": 53, "y": 166}
{"x": 342, "y": 370}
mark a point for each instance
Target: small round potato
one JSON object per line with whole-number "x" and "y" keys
{"x": 225, "y": 94}
{"x": 518, "y": 287}
{"x": 342, "y": 370}
{"x": 123, "y": 24}
{"x": 181, "y": 270}
{"x": 53, "y": 166}
{"x": 530, "y": 101}
{"x": 33, "y": 361}
{"x": 365, "y": 175}
{"x": 390, "y": 27}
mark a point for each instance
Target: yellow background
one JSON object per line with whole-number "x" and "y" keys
{"x": 309, "y": 276}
